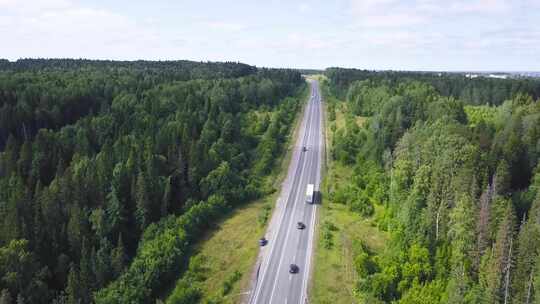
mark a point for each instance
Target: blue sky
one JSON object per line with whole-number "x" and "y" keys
{"x": 373, "y": 34}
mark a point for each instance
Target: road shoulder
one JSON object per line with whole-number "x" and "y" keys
{"x": 284, "y": 183}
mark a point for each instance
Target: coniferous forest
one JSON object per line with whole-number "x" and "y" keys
{"x": 110, "y": 170}
{"x": 270, "y": 152}
{"x": 449, "y": 168}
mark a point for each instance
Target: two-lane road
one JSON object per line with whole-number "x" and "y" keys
{"x": 287, "y": 244}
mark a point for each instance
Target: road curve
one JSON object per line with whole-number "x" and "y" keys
{"x": 287, "y": 244}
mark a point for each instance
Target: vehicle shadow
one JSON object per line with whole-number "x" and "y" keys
{"x": 317, "y": 198}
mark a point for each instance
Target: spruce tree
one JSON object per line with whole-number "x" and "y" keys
{"x": 142, "y": 213}
{"x": 118, "y": 257}
{"x": 114, "y": 212}
{"x": 73, "y": 286}
{"x": 528, "y": 251}
{"x": 166, "y": 200}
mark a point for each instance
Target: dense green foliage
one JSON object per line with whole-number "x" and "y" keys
{"x": 478, "y": 91}
{"x": 36, "y": 93}
{"x": 109, "y": 190}
{"x": 458, "y": 187}
{"x": 165, "y": 245}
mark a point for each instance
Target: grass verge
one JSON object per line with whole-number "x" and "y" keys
{"x": 228, "y": 252}
{"x": 341, "y": 231}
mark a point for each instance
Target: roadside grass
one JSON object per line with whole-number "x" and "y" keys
{"x": 341, "y": 109}
{"x": 319, "y": 77}
{"x": 361, "y": 120}
{"x": 340, "y": 232}
{"x": 230, "y": 250}
{"x": 342, "y": 112}
{"x": 334, "y": 276}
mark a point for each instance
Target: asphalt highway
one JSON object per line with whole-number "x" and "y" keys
{"x": 288, "y": 245}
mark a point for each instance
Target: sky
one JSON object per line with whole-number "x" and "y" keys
{"x": 453, "y": 35}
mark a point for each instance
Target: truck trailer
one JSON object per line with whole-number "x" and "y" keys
{"x": 310, "y": 193}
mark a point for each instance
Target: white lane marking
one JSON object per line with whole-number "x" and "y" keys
{"x": 274, "y": 284}
{"x": 287, "y": 235}
{"x": 305, "y": 278}
{"x": 309, "y": 253}
{"x": 306, "y": 131}
{"x": 313, "y": 162}
{"x": 284, "y": 208}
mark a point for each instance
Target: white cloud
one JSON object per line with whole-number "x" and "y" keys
{"x": 434, "y": 26}
{"x": 279, "y": 33}
{"x": 33, "y": 6}
{"x": 384, "y": 14}
{"x": 60, "y": 28}
{"x": 304, "y": 7}
{"x": 225, "y": 26}
{"x": 369, "y": 6}
{"x": 393, "y": 13}
{"x": 479, "y": 6}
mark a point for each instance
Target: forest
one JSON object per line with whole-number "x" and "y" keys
{"x": 449, "y": 168}
{"x": 473, "y": 91}
{"x": 110, "y": 171}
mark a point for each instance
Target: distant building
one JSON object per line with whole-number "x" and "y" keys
{"x": 500, "y": 76}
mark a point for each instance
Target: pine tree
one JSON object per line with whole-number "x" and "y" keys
{"x": 74, "y": 229}
{"x": 142, "y": 213}
{"x": 166, "y": 201}
{"x": 73, "y": 286}
{"x": 502, "y": 179}
{"x": 535, "y": 290}
{"x": 462, "y": 243}
{"x": 24, "y": 164}
{"x": 102, "y": 266}
{"x": 37, "y": 222}
{"x": 99, "y": 222}
{"x": 528, "y": 252}
{"x": 118, "y": 257}
{"x": 86, "y": 275}
{"x": 115, "y": 212}
{"x": 9, "y": 211}
{"x": 482, "y": 226}
{"x": 153, "y": 186}
{"x": 501, "y": 262}
{"x": 8, "y": 158}
{"x": 104, "y": 166}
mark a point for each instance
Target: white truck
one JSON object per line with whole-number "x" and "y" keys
{"x": 310, "y": 193}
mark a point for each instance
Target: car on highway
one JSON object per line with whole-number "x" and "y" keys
{"x": 263, "y": 241}
{"x": 300, "y": 225}
{"x": 293, "y": 268}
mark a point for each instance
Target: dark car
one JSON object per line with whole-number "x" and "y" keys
{"x": 263, "y": 241}
{"x": 293, "y": 268}
{"x": 300, "y": 225}
{"x": 304, "y": 149}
